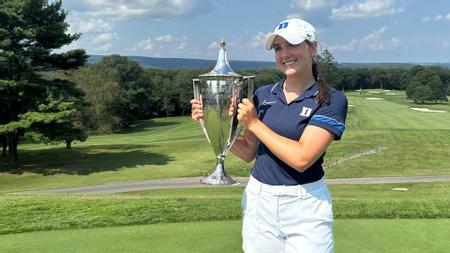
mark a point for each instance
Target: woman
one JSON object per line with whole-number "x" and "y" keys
{"x": 289, "y": 125}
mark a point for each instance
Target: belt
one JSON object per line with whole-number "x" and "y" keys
{"x": 285, "y": 190}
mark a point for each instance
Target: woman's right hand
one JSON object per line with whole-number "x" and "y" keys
{"x": 197, "y": 109}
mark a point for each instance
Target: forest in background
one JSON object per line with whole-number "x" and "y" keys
{"x": 50, "y": 96}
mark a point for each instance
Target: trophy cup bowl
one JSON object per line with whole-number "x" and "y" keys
{"x": 220, "y": 91}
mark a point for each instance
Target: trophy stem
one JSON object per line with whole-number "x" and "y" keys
{"x": 219, "y": 176}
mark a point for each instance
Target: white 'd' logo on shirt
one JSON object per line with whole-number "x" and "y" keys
{"x": 306, "y": 112}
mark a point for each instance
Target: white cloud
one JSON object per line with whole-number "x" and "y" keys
{"x": 213, "y": 45}
{"x": 259, "y": 40}
{"x": 310, "y": 5}
{"x": 105, "y": 37}
{"x": 375, "y": 41}
{"x": 182, "y": 43}
{"x": 364, "y": 9}
{"x": 165, "y": 43}
{"x": 316, "y": 11}
{"x": 164, "y": 38}
{"x": 104, "y": 47}
{"x": 92, "y": 25}
{"x": 156, "y": 9}
{"x": 146, "y": 44}
{"x": 438, "y": 17}
{"x": 344, "y": 47}
{"x": 426, "y": 19}
{"x": 446, "y": 44}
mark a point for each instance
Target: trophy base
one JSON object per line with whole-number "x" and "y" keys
{"x": 219, "y": 177}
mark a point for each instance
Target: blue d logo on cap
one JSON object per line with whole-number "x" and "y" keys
{"x": 283, "y": 25}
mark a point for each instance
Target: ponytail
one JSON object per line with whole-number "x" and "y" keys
{"x": 324, "y": 91}
{"x": 324, "y": 94}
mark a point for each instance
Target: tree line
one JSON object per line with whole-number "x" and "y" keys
{"x": 423, "y": 84}
{"x": 119, "y": 92}
{"x": 49, "y": 97}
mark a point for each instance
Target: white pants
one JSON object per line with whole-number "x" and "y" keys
{"x": 287, "y": 219}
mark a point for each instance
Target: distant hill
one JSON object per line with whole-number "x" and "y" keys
{"x": 375, "y": 65}
{"x": 389, "y": 65}
{"x": 175, "y": 63}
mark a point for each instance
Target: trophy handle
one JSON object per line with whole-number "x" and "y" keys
{"x": 197, "y": 95}
{"x": 250, "y": 88}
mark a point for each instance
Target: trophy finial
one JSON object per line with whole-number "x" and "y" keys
{"x": 222, "y": 43}
{"x": 222, "y": 67}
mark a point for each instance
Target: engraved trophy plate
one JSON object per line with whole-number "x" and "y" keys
{"x": 220, "y": 91}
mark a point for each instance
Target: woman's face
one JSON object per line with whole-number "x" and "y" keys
{"x": 293, "y": 59}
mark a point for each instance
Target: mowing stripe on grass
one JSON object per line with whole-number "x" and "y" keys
{"x": 351, "y": 236}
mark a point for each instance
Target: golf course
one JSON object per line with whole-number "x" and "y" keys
{"x": 384, "y": 137}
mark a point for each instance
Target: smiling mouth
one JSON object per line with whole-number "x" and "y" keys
{"x": 288, "y": 63}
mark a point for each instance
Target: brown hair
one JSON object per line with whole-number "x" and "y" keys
{"x": 324, "y": 91}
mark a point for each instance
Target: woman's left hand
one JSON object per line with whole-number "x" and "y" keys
{"x": 247, "y": 115}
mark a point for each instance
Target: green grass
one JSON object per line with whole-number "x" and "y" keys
{"x": 160, "y": 148}
{"x": 415, "y": 143}
{"x": 22, "y": 213}
{"x": 357, "y": 236}
{"x": 399, "y": 97}
{"x": 208, "y": 219}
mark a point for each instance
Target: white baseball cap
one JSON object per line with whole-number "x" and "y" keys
{"x": 295, "y": 31}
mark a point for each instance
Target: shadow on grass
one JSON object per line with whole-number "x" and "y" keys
{"x": 85, "y": 160}
{"x": 146, "y": 126}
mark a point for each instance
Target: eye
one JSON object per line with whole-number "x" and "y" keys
{"x": 276, "y": 48}
{"x": 292, "y": 45}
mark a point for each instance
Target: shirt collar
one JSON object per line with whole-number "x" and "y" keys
{"x": 278, "y": 87}
{"x": 311, "y": 91}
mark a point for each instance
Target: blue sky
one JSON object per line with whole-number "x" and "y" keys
{"x": 414, "y": 31}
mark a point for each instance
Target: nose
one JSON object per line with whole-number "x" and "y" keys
{"x": 284, "y": 52}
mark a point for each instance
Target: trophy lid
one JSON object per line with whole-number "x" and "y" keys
{"x": 222, "y": 67}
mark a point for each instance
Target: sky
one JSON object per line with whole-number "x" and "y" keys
{"x": 356, "y": 31}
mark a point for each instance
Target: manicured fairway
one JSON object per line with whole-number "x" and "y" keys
{"x": 25, "y": 213}
{"x": 362, "y": 235}
{"x": 383, "y": 114}
{"x": 407, "y": 143}
{"x": 412, "y": 143}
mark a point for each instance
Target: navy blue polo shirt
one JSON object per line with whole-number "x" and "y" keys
{"x": 289, "y": 120}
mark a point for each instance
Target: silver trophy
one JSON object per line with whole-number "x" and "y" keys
{"x": 220, "y": 91}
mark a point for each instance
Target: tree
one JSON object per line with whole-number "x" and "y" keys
{"x": 102, "y": 97}
{"x": 438, "y": 89}
{"x": 380, "y": 77}
{"x": 183, "y": 85}
{"x": 422, "y": 93}
{"x": 30, "y": 31}
{"x": 126, "y": 73}
{"x": 411, "y": 89}
{"x": 429, "y": 78}
{"x": 327, "y": 68}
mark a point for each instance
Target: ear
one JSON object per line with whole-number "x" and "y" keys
{"x": 314, "y": 47}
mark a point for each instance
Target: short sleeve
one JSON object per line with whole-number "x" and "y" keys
{"x": 332, "y": 116}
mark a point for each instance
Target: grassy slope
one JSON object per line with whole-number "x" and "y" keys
{"x": 21, "y": 213}
{"x": 224, "y": 236}
{"x": 416, "y": 144}
{"x": 164, "y": 148}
